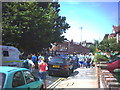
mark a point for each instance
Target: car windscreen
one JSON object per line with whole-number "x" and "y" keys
{"x": 2, "y": 80}
{"x": 57, "y": 60}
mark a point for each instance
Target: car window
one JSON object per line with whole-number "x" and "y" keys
{"x": 18, "y": 79}
{"x": 5, "y": 53}
{"x": 2, "y": 77}
{"x": 57, "y": 60}
{"x": 29, "y": 77}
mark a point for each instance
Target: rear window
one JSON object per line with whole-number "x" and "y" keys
{"x": 2, "y": 80}
{"x": 5, "y": 53}
{"x": 57, "y": 60}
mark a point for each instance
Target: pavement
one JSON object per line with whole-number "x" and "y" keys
{"x": 81, "y": 78}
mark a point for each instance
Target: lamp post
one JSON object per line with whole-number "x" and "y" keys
{"x": 81, "y": 34}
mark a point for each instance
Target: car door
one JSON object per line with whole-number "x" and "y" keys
{"x": 30, "y": 80}
{"x": 18, "y": 80}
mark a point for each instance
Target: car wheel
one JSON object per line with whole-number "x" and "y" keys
{"x": 50, "y": 73}
{"x": 67, "y": 74}
{"x": 72, "y": 70}
{"x": 42, "y": 87}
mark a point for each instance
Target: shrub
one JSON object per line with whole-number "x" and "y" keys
{"x": 99, "y": 58}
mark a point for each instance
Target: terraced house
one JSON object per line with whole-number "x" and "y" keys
{"x": 70, "y": 47}
{"x": 115, "y": 33}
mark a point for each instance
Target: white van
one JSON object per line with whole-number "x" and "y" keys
{"x": 10, "y": 56}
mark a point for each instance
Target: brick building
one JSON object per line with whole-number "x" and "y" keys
{"x": 115, "y": 33}
{"x": 68, "y": 47}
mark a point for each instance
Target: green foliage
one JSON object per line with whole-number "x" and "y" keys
{"x": 30, "y": 26}
{"x": 92, "y": 48}
{"x": 102, "y": 57}
{"x": 118, "y": 47}
{"x": 99, "y": 57}
{"x": 108, "y": 45}
{"x": 96, "y": 43}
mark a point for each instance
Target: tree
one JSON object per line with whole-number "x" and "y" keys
{"x": 92, "y": 48}
{"x": 96, "y": 43}
{"x": 108, "y": 45}
{"x": 30, "y": 26}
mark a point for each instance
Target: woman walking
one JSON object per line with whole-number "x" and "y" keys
{"x": 42, "y": 70}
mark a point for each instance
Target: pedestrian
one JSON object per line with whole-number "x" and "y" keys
{"x": 34, "y": 59}
{"x": 39, "y": 58}
{"x": 42, "y": 70}
{"x": 92, "y": 60}
{"x": 81, "y": 59}
{"x": 28, "y": 63}
{"x": 88, "y": 60}
{"x": 25, "y": 64}
{"x": 49, "y": 58}
{"x": 31, "y": 64}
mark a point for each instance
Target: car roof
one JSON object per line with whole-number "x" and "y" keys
{"x": 56, "y": 56}
{"x": 5, "y": 69}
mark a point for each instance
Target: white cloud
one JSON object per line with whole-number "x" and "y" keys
{"x": 88, "y": 35}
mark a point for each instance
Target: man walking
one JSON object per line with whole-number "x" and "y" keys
{"x": 34, "y": 59}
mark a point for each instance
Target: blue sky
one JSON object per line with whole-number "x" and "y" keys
{"x": 96, "y": 18}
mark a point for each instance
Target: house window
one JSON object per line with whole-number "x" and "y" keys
{"x": 5, "y": 53}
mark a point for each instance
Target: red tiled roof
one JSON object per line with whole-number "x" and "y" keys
{"x": 73, "y": 47}
{"x": 116, "y": 28}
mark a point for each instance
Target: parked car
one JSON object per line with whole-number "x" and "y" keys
{"x": 14, "y": 78}
{"x": 60, "y": 66}
{"x": 113, "y": 65}
{"x": 112, "y": 60}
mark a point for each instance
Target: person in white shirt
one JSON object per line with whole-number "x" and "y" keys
{"x": 92, "y": 60}
{"x": 49, "y": 58}
{"x": 81, "y": 57}
{"x": 30, "y": 63}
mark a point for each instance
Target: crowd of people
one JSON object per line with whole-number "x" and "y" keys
{"x": 82, "y": 60}
{"x": 38, "y": 61}
{"x": 86, "y": 60}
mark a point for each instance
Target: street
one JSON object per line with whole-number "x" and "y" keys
{"x": 50, "y": 79}
{"x": 80, "y": 78}
{"x": 41, "y": 39}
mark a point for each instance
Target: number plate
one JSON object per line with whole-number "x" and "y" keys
{"x": 56, "y": 66}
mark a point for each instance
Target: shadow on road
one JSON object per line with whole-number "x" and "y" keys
{"x": 74, "y": 73}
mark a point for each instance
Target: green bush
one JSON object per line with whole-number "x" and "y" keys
{"x": 99, "y": 58}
